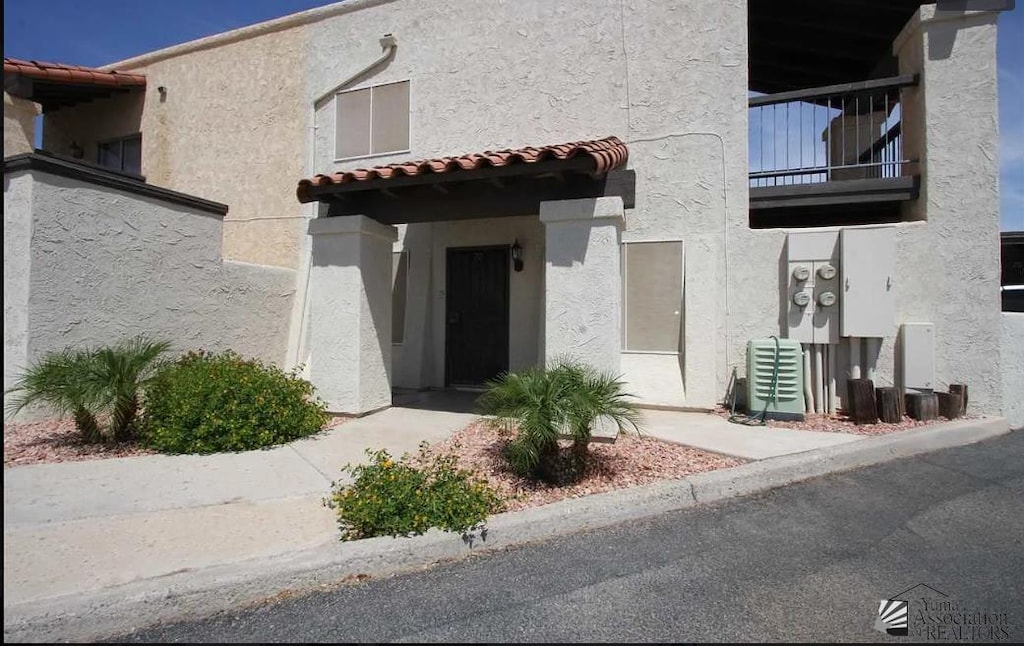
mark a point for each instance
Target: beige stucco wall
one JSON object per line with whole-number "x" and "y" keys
{"x": 231, "y": 128}
{"x": 19, "y": 125}
{"x": 669, "y": 78}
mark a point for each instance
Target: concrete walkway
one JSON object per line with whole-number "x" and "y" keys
{"x": 714, "y": 433}
{"x": 84, "y": 526}
{"x": 80, "y": 526}
{"x": 101, "y": 547}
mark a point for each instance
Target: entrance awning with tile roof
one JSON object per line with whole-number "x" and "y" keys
{"x": 478, "y": 185}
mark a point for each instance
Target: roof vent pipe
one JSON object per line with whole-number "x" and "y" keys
{"x": 388, "y": 43}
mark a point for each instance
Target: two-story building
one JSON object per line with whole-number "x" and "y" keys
{"x": 642, "y": 185}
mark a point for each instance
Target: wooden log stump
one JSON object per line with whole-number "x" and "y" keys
{"x": 950, "y": 405}
{"x": 888, "y": 402}
{"x": 961, "y": 390}
{"x": 860, "y": 404}
{"x": 922, "y": 406}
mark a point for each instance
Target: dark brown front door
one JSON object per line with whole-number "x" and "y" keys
{"x": 476, "y": 334}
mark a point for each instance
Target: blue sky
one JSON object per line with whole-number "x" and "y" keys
{"x": 96, "y": 32}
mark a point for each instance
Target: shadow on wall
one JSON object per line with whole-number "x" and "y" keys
{"x": 568, "y": 245}
{"x": 942, "y": 37}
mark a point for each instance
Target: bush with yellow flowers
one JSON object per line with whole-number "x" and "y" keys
{"x": 405, "y": 497}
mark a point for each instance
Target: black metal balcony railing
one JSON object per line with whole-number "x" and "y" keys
{"x": 837, "y": 132}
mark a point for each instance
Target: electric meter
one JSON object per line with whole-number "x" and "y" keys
{"x": 801, "y": 273}
{"x": 827, "y": 272}
{"x": 827, "y": 299}
{"x": 801, "y": 299}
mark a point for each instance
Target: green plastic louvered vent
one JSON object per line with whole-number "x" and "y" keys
{"x": 786, "y": 400}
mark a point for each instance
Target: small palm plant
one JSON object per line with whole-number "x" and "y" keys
{"x": 93, "y": 384}
{"x": 61, "y": 380}
{"x": 120, "y": 373}
{"x": 561, "y": 402}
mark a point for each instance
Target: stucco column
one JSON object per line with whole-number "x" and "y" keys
{"x": 350, "y": 313}
{"x": 583, "y": 295}
{"x": 950, "y": 119}
{"x": 950, "y": 123}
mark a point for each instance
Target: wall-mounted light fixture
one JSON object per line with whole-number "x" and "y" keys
{"x": 163, "y": 93}
{"x": 517, "y": 256}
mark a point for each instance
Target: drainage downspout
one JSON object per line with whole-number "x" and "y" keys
{"x": 297, "y": 334}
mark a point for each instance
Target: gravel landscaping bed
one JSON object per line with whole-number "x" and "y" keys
{"x": 842, "y": 424}
{"x": 57, "y": 440}
{"x": 629, "y": 462}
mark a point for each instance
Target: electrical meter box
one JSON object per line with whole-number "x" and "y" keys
{"x": 868, "y": 275}
{"x": 812, "y": 286}
{"x": 783, "y": 399}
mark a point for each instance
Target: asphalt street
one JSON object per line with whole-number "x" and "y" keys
{"x": 809, "y": 561}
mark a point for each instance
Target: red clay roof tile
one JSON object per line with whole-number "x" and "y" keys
{"x": 75, "y": 74}
{"x": 608, "y": 154}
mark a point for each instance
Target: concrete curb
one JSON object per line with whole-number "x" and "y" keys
{"x": 117, "y": 610}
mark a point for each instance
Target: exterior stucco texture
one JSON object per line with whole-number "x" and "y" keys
{"x": 668, "y": 78}
{"x": 236, "y": 105}
{"x": 580, "y": 71}
{"x": 95, "y": 265}
{"x": 1013, "y": 368}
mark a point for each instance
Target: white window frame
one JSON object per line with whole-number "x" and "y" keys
{"x": 625, "y": 295}
{"x": 408, "y": 149}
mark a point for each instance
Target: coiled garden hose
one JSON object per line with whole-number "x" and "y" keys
{"x": 760, "y": 418}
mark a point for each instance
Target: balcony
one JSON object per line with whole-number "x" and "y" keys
{"x": 830, "y": 155}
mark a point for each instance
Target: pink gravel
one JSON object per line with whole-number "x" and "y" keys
{"x": 57, "y": 440}
{"x": 629, "y": 462}
{"x": 843, "y": 424}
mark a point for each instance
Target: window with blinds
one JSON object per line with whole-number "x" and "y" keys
{"x": 652, "y": 298}
{"x": 372, "y": 121}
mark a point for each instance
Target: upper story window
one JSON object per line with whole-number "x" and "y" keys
{"x": 123, "y": 154}
{"x": 373, "y": 121}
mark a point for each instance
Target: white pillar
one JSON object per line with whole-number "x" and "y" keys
{"x": 583, "y": 280}
{"x": 350, "y": 313}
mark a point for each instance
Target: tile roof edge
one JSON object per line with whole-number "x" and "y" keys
{"x": 609, "y": 153}
{"x": 67, "y": 72}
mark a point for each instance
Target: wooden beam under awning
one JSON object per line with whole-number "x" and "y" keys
{"x": 475, "y": 194}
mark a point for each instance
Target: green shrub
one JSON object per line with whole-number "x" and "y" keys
{"x": 561, "y": 402}
{"x": 103, "y": 383}
{"x": 404, "y": 498}
{"x": 206, "y": 403}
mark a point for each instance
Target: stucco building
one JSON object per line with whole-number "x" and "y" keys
{"x": 640, "y": 185}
